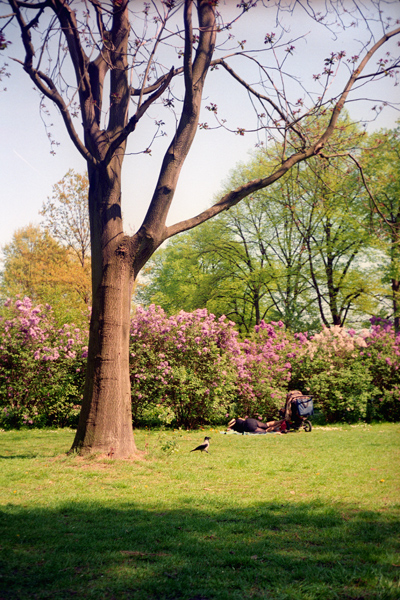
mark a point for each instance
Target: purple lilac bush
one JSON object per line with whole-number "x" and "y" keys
{"x": 181, "y": 366}
{"x": 264, "y": 368}
{"x": 381, "y": 356}
{"x": 41, "y": 367}
{"x": 352, "y": 375}
{"x": 192, "y": 369}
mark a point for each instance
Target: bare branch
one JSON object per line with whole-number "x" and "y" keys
{"x": 47, "y": 87}
{"x": 354, "y": 77}
{"x": 234, "y": 196}
{"x": 367, "y": 189}
{"x": 152, "y": 88}
{"x": 130, "y": 127}
{"x": 45, "y": 83}
{"x": 248, "y": 87}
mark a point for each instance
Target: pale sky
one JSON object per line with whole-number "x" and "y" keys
{"x": 28, "y": 170}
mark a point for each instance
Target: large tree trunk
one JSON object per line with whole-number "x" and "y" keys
{"x": 105, "y": 423}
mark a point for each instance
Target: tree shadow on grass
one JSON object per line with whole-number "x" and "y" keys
{"x": 28, "y": 455}
{"x": 274, "y": 551}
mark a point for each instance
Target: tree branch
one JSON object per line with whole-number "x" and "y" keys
{"x": 290, "y": 125}
{"x": 44, "y": 83}
{"x": 354, "y": 77}
{"x": 370, "y": 194}
{"x": 130, "y": 127}
{"x": 152, "y": 88}
{"x": 154, "y": 223}
{"x": 235, "y": 196}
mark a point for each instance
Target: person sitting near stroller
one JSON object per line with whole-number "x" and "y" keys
{"x": 249, "y": 425}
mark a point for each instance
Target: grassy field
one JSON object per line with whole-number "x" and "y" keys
{"x": 299, "y": 516}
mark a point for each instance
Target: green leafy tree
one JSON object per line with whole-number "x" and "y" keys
{"x": 296, "y": 251}
{"x": 108, "y": 70}
{"x": 330, "y": 216}
{"x": 379, "y": 166}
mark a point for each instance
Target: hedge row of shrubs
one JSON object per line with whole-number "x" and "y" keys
{"x": 193, "y": 369}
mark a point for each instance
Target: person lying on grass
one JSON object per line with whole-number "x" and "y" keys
{"x": 249, "y": 425}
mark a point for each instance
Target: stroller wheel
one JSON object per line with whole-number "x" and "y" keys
{"x": 307, "y": 425}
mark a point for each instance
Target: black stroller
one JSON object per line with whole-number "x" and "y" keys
{"x": 302, "y": 408}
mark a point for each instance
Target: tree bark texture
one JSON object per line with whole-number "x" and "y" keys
{"x": 105, "y": 423}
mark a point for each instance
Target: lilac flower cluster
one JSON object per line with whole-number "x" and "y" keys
{"x": 192, "y": 368}
{"x": 181, "y": 367}
{"x": 264, "y": 369}
{"x": 41, "y": 366}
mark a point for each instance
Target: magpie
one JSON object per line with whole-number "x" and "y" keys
{"x": 204, "y": 446}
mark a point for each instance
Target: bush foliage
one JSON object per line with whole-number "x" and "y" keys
{"x": 192, "y": 369}
{"x": 41, "y": 367}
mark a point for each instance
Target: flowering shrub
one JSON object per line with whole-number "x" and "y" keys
{"x": 381, "y": 356}
{"x": 352, "y": 376}
{"x": 192, "y": 368}
{"x": 264, "y": 370}
{"x": 181, "y": 368}
{"x": 41, "y": 367}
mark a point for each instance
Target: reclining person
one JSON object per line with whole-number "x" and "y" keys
{"x": 250, "y": 425}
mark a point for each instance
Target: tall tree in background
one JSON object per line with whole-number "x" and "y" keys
{"x": 38, "y": 266}
{"x": 66, "y": 218}
{"x": 381, "y": 176}
{"x": 104, "y": 38}
{"x": 66, "y": 214}
{"x": 328, "y": 213}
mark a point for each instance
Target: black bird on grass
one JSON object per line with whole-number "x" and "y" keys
{"x": 204, "y": 446}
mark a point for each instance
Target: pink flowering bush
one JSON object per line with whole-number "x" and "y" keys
{"x": 351, "y": 375}
{"x": 264, "y": 370}
{"x": 41, "y": 367}
{"x": 191, "y": 369}
{"x": 181, "y": 367}
{"x": 381, "y": 356}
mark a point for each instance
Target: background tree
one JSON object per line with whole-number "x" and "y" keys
{"x": 66, "y": 218}
{"x": 38, "y": 266}
{"x": 66, "y": 214}
{"x": 103, "y": 38}
{"x": 297, "y": 251}
{"x": 381, "y": 177}
{"x": 328, "y": 214}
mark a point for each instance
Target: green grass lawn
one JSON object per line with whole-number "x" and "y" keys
{"x": 305, "y": 515}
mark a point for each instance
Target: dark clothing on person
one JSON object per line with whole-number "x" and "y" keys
{"x": 249, "y": 425}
